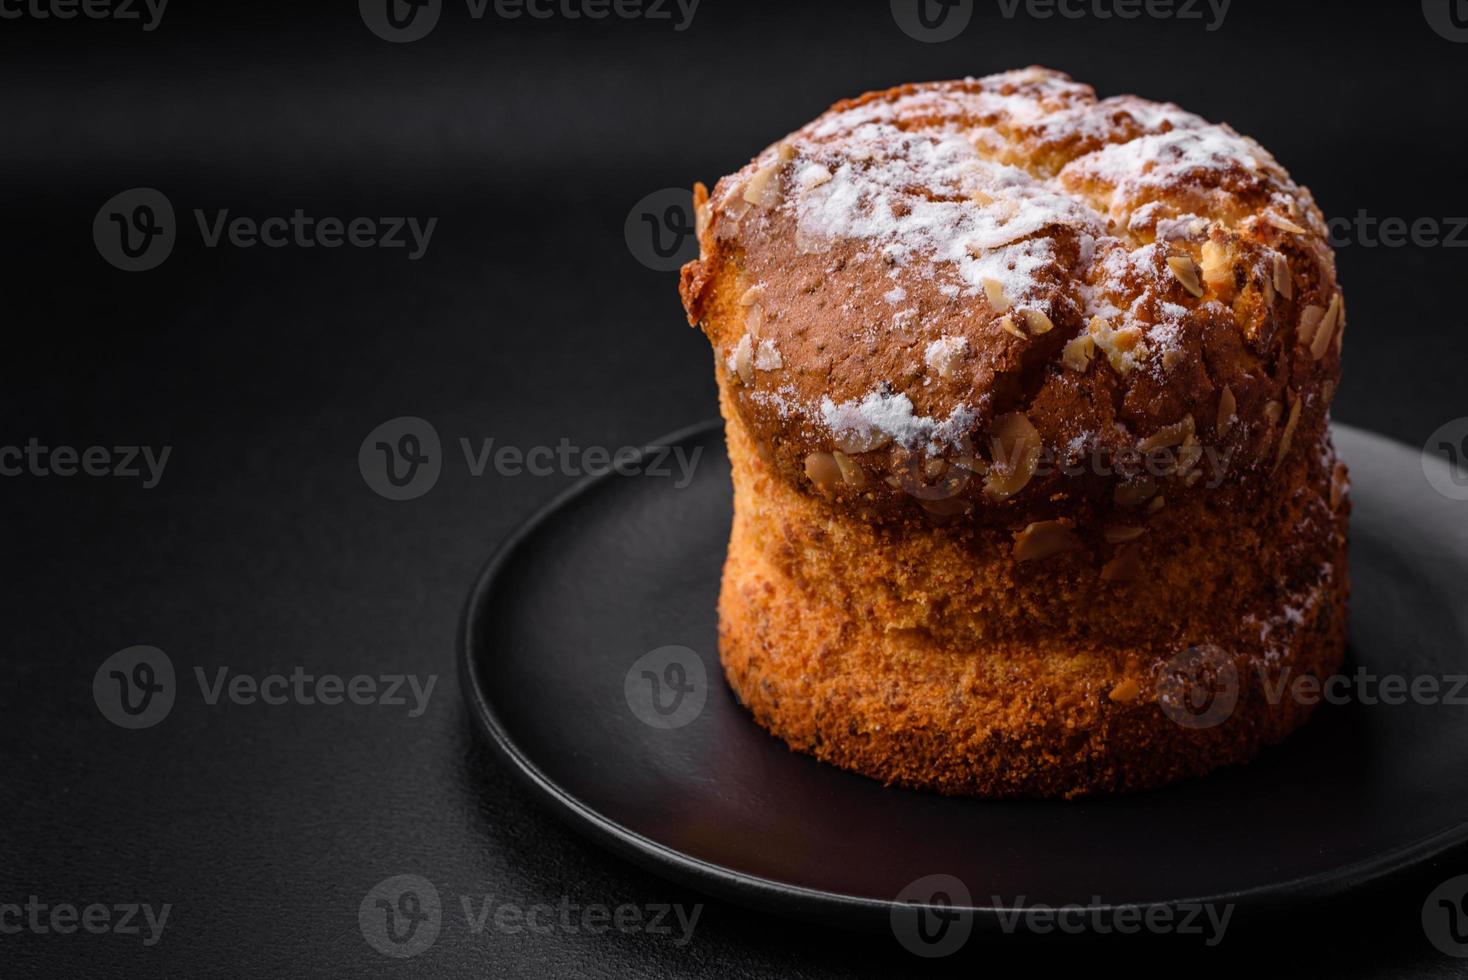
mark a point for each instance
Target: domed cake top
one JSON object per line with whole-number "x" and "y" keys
{"x": 975, "y": 272}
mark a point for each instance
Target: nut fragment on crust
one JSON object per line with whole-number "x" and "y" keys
{"x": 1123, "y": 347}
{"x": 741, "y": 360}
{"x": 1227, "y": 411}
{"x": 1078, "y": 352}
{"x": 703, "y": 211}
{"x": 754, "y": 320}
{"x": 1185, "y": 271}
{"x": 1283, "y": 283}
{"x": 1006, "y": 323}
{"x": 1126, "y": 691}
{"x": 1217, "y": 269}
{"x": 851, "y": 471}
{"x": 1016, "y": 446}
{"x": 1134, "y": 493}
{"x": 1042, "y": 539}
{"x": 813, "y": 176}
{"x": 944, "y": 354}
{"x": 1283, "y": 223}
{"x": 1310, "y": 318}
{"x": 1122, "y": 533}
{"x": 1188, "y": 455}
{"x": 823, "y": 471}
{"x": 1272, "y": 411}
{"x": 1325, "y": 330}
{"x": 1188, "y": 229}
{"x": 763, "y": 189}
{"x": 971, "y": 463}
{"x": 1038, "y": 322}
{"x": 1169, "y": 435}
{"x": 994, "y": 292}
{"x": 1289, "y": 430}
{"x": 861, "y": 440}
{"x": 1125, "y": 566}
{"x": 752, "y": 295}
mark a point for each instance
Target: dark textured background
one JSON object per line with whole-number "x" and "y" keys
{"x": 529, "y": 321}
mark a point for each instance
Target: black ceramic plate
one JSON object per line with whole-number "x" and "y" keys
{"x": 555, "y": 662}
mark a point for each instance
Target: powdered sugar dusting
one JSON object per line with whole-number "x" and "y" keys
{"x": 891, "y": 414}
{"x": 873, "y": 199}
{"x": 1157, "y": 159}
{"x": 919, "y": 183}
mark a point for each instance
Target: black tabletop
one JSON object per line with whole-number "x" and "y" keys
{"x": 368, "y": 227}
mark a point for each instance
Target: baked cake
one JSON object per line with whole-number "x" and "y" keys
{"x": 1027, "y": 396}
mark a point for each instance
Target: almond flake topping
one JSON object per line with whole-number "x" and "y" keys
{"x": 1185, "y": 271}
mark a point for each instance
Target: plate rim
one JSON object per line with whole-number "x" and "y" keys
{"x": 813, "y": 903}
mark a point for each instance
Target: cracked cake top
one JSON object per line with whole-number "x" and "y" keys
{"x": 935, "y": 290}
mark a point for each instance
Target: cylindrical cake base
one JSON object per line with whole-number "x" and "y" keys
{"x": 923, "y": 654}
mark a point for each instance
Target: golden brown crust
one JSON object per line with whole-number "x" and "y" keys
{"x": 934, "y": 660}
{"x": 856, "y": 283}
{"x": 1026, "y": 396}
